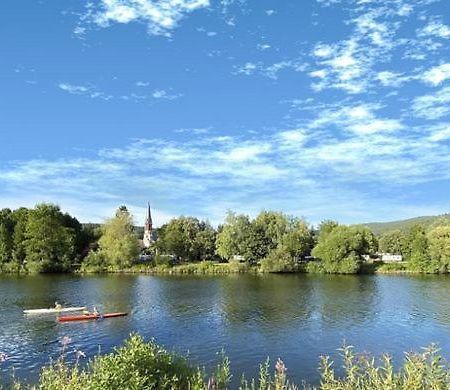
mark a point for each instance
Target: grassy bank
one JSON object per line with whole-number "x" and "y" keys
{"x": 200, "y": 268}
{"x": 141, "y": 365}
{"x": 213, "y": 268}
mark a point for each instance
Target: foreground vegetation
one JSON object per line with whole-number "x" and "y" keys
{"x": 141, "y": 365}
{"x": 44, "y": 239}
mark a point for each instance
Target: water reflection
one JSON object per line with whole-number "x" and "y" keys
{"x": 343, "y": 301}
{"x": 269, "y": 300}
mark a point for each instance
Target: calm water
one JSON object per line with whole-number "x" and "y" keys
{"x": 296, "y": 317}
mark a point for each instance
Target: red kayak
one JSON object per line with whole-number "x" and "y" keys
{"x": 87, "y": 317}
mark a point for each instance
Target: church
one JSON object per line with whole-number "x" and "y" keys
{"x": 148, "y": 229}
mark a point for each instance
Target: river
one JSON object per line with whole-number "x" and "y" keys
{"x": 295, "y": 317}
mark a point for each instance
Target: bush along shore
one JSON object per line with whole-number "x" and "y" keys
{"x": 44, "y": 239}
{"x": 141, "y": 365}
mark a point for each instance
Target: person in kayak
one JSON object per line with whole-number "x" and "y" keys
{"x": 58, "y": 306}
{"x": 95, "y": 311}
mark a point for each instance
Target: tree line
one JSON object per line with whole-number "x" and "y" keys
{"x": 44, "y": 239}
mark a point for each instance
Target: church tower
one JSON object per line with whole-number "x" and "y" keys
{"x": 148, "y": 229}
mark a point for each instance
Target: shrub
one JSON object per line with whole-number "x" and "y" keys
{"x": 136, "y": 365}
{"x": 139, "y": 365}
{"x": 279, "y": 260}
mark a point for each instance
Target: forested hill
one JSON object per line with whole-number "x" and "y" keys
{"x": 405, "y": 224}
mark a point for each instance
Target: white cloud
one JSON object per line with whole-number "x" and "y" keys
{"x": 263, "y": 46}
{"x": 86, "y": 90}
{"x": 392, "y": 79}
{"x": 433, "y": 106}
{"x": 437, "y": 74}
{"x": 163, "y": 94}
{"x": 440, "y": 132}
{"x": 271, "y": 71}
{"x": 436, "y": 29}
{"x": 142, "y": 83}
{"x": 161, "y": 16}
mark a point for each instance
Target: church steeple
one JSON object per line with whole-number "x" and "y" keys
{"x": 148, "y": 219}
{"x": 148, "y": 228}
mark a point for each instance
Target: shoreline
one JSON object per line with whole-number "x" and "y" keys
{"x": 213, "y": 268}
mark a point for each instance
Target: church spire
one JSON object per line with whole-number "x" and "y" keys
{"x": 148, "y": 220}
{"x": 148, "y": 228}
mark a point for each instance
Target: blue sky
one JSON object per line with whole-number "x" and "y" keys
{"x": 319, "y": 108}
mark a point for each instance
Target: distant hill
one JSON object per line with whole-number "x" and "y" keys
{"x": 405, "y": 224}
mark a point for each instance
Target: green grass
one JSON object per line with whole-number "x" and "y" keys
{"x": 200, "y": 268}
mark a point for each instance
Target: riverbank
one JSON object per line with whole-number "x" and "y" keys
{"x": 139, "y": 365}
{"x": 214, "y": 268}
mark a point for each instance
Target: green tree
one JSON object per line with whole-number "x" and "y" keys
{"x": 326, "y": 227}
{"x": 49, "y": 245}
{"x": 118, "y": 246}
{"x": 341, "y": 249}
{"x": 439, "y": 248}
{"x": 273, "y": 225}
{"x": 188, "y": 239}
{"x": 6, "y": 236}
{"x": 20, "y": 217}
{"x": 279, "y": 260}
{"x": 298, "y": 240}
{"x": 394, "y": 242}
{"x": 419, "y": 257}
{"x": 233, "y": 235}
{"x": 205, "y": 241}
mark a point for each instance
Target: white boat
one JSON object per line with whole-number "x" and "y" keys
{"x": 54, "y": 310}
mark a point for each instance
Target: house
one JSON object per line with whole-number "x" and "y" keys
{"x": 390, "y": 258}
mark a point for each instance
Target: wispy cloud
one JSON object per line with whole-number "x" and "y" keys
{"x": 86, "y": 90}
{"x": 272, "y": 70}
{"x": 433, "y": 106}
{"x": 92, "y": 92}
{"x": 160, "y": 16}
{"x": 163, "y": 94}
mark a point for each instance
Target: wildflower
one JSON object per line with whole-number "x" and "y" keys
{"x": 280, "y": 367}
{"x": 211, "y": 383}
{"x": 79, "y": 354}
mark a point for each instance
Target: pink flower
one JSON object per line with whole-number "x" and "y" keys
{"x": 79, "y": 354}
{"x": 280, "y": 367}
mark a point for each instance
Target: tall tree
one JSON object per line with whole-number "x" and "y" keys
{"x": 326, "y": 227}
{"x": 394, "y": 242}
{"x": 233, "y": 235}
{"x": 49, "y": 245}
{"x": 118, "y": 245}
{"x": 187, "y": 238}
{"x": 6, "y": 236}
{"x": 273, "y": 225}
{"x": 298, "y": 241}
{"x": 439, "y": 248}
{"x": 20, "y": 217}
{"x": 419, "y": 257}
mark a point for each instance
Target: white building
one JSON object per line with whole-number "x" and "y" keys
{"x": 391, "y": 258}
